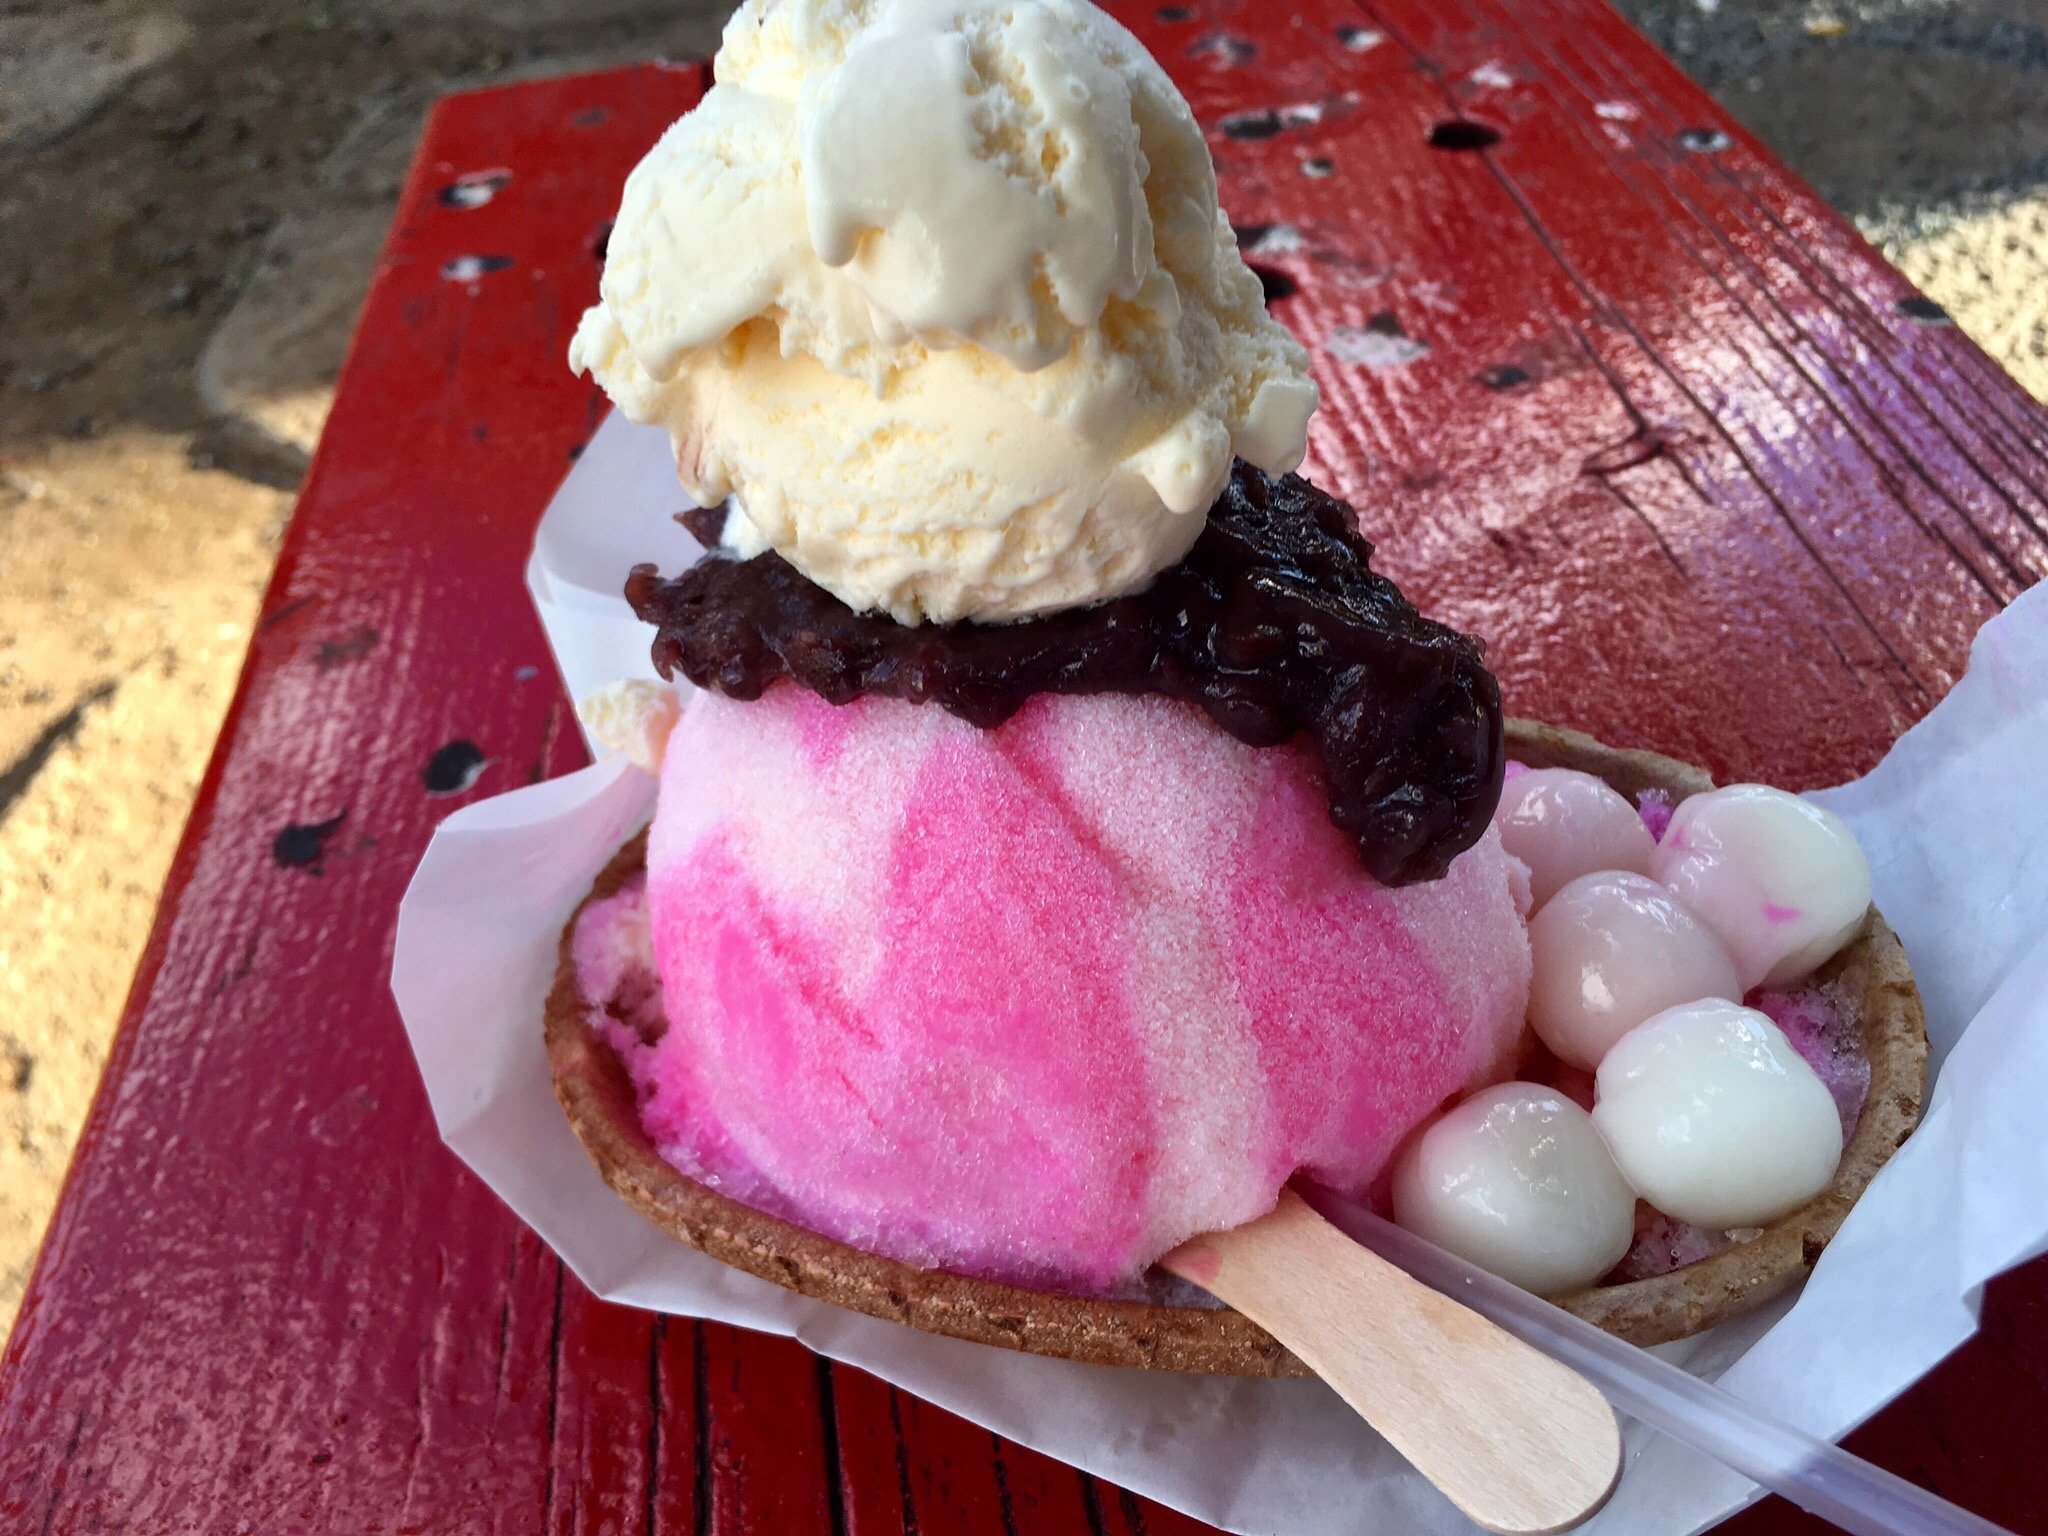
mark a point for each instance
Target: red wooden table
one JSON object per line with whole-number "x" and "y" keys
{"x": 1608, "y": 386}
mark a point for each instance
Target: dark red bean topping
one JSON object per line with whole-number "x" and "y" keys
{"x": 1275, "y": 624}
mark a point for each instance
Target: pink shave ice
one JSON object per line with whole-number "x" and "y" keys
{"x": 1039, "y": 1003}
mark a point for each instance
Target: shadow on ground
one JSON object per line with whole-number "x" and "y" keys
{"x": 162, "y": 167}
{"x": 1924, "y": 120}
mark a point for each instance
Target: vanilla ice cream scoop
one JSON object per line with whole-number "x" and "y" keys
{"x": 1517, "y": 1181}
{"x": 634, "y": 717}
{"x": 1783, "y": 882}
{"x": 1714, "y": 1118}
{"x": 940, "y": 292}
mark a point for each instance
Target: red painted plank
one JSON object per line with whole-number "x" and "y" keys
{"x": 766, "y": 1438}
{"x": 621, "y": 1435}
{"x": 908, "y": 1466}
{"x": 270, "y": 1299}
{"x": 873, "y": 1457}
{"x": 1653, "y": 423}
{"x": 1666, "y": 432}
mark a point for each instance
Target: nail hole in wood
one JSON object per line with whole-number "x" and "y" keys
{"x": 301, "y": 844}
{"x": 467, "y": 269}
{"x": 473, "y": 191}
{"x": 1267, "y": 239}
{"x": 353, "y": 646}
{"x": 1274, "y": 283}
{"x": 1918, "y": 307}
{"x": 1261, "y": 124}
{"x": 454, "y": 767}
{"x": 1463, "y": 133}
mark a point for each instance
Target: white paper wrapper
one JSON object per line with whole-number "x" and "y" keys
{"x": 1957, "y": 830}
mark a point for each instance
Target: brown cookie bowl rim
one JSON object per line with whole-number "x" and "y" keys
{"x": 1872, "y": 971}
{"x": 597, "y": 1096}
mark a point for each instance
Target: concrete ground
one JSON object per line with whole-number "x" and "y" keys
{"x": 192, "y": 193}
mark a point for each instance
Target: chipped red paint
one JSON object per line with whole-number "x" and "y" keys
{"x": 1636, "y": 407}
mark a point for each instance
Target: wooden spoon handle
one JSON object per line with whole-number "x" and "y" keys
{"x": 1518, "y": 1442}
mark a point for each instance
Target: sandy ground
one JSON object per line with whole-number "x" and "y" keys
{"x": 151, "y": 156}
{"x": 191, "y": 195}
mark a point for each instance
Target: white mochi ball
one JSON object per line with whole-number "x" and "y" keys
{"x": 1714, "y": 1119}
{"x": 1783, "y": 882}
{"x": 1517, "y": 1181}
{"x": 1610, "y": 950}
{"x": 1563, "y": 824}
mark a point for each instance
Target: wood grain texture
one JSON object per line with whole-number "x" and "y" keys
{"x": 1519, "y": 1442}
{"x": 1646, "y": 415}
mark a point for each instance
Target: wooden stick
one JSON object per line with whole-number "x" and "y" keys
{"x": 1518, "y": 1442}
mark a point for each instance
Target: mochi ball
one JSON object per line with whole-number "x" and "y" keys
{"x": 1610, "y": 950}
{"x": 1714, "y": 1118}
{"x": 1517, "y": 1181}
{"x": 1563, "y": 824}
{"x": 1782, "y": 881}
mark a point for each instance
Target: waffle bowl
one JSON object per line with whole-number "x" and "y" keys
{"x": 597, "y": 1095}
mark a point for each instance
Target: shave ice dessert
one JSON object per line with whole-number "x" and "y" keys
{"x": 1064, "y": 838}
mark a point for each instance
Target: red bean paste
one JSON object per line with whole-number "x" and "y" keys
{"x": 1274, "y": 624}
